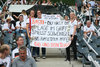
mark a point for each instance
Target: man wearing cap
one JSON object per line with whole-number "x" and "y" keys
{"x": 8, "y": 29}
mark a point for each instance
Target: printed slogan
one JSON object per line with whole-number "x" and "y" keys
{"x": 50, "y": 33}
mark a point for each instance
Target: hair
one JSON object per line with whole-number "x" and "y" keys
{"x": 3, "y": 48}
{"x": 72, "y": 13}
{"x": 32, "y": 10}
{"x": 24, "y": 12}
{"x": 88, "y": 21}
{"x": 23, "y": 48}
{"x": 89, "y": 4}
{"x": 39, "y": 10}
{"x": 18, "y": 38}
{"x": 20, "y": 15}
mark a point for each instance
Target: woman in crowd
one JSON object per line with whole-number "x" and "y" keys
{"x": 28, "y": 24}
{"x": 73, "y": 26}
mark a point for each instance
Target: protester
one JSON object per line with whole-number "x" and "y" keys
{"x": 73, "y": 26}
{"x": 29, "y": 21}
{"x": 23, "y": 25}
{"x": 39, "y": 16}
{"x": 66, "y": 19}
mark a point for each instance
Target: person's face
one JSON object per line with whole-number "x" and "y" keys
{"x": 44, "y": 1}
{"x": 72, "y": 15}
{"x": 20, "y": 41}
{"x": 88, "y": 24}
{"x": 39, "y": 3}
{"x": 89, "y": 5}
{"x": 39, "y": 14}
{"x": 66, "y": 18}
{"x": 97, "y": 15}
{"x": 20, "y": 18}
{"x": 7, "y": 52}
{"x": 22, "y": 54}
{"x": 32, "y": 13}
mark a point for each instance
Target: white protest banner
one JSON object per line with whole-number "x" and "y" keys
{"x": 50, "y": 34}
{"x": 51, "y": 16}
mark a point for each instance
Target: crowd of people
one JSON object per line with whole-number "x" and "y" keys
{"x": 29, "y": 2}
{"x": 20, "y": 31}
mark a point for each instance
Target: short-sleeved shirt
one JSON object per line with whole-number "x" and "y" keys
{"x": 28, "y": 21}
{"x": 29, "y": 62}
{"x": 6, "y": 62}
{"x": 72, "y": 24}
{"x": 92, "y": 3}
{"x": 88, "y": 12}
{"x": 15, "y": 53}
{"x": 25, "y": 18}
{"x": 21, "y": 24}
{"x": 86, "y": 29}
{"x": 6, "y": 26}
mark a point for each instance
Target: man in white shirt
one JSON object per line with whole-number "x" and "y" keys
{"x": 20, "y": 42}
{"x": 21, "y": 26}
{"x": 5, "y": 59}
{"x": 88, "y": 29}
{"x": 8, "y": 29}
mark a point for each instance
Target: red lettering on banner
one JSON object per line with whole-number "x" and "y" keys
{"x": 52, "y": 45}
{"x": 38, "y": 44}
{"x": 45, "y": 45}
{"x": 37, "y": 21}
{"x": 61, "y": 45}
